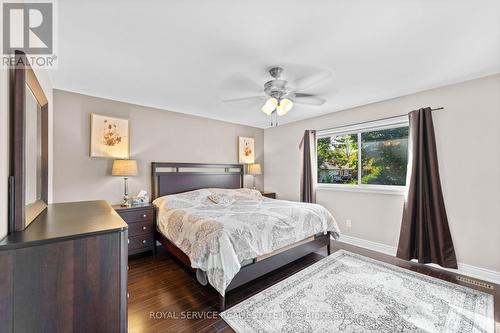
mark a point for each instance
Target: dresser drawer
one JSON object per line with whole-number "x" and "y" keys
{"x": 137, "y": 215}
{"x": 140, "y": 242}
{"x": 139, "y": 228}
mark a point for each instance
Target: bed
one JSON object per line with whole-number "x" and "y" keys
{"x": 227, "y": 234}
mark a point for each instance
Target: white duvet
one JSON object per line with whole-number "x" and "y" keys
{"x": 218, "y": 237}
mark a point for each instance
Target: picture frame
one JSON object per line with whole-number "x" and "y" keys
{"x": 109, "y": 137}
{"x": 246, "y": 150}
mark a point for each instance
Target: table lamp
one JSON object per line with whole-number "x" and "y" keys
{"x": 125, "y": 169}
{"x": 254, "y": 170}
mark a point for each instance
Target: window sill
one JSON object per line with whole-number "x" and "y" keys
{"x": 377, "y": 189}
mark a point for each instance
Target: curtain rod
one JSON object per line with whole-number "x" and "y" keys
{"x": 370, "y": 121}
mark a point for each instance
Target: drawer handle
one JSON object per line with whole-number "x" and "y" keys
{"x": 144, "y": 228}
{"x": 128, "y": 240}
{"x": 144, "y": 241}
{"x": 144, "y": 215}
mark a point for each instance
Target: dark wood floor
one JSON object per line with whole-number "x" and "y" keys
{"x": 163, "y": 294}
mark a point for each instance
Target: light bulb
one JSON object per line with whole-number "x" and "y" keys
{"x": 284, "y": 106}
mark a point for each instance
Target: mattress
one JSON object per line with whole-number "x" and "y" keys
{"x": 220, "y": 237}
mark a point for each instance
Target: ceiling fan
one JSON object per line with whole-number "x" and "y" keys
{"x": 279, "y": 96}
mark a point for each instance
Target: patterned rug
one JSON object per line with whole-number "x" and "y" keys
{"x": 346, "y": 292}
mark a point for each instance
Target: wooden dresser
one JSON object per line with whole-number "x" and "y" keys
{"x": 66, "y": 272}
{"x": 141, "y": 227}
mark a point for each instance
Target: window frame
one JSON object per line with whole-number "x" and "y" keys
{"x": 382, "y": 124}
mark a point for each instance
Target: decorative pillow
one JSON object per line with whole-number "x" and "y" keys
{"x": 220, "y": 199}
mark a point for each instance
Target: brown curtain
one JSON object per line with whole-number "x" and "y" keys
{"x": 425, "y": 234}
{"x": 308, "y": 176}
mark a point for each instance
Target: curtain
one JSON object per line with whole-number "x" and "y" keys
{"x": 425, "y": 234}
{"x": 308, "y": 158}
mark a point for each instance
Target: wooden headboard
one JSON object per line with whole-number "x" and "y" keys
{"x": 172, "y": 178}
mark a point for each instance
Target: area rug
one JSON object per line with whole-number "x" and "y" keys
{"x": 346, "y": 292}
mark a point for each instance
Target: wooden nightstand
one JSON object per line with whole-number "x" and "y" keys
{"x": 141, "y": 227}
{"x": 271, "y": 195}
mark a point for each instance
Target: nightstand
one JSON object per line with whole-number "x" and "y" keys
{"x": 271, "y": 195}
{"x": 141, "y": 227}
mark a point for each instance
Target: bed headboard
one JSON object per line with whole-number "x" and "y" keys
{"x": 172, "y": 178}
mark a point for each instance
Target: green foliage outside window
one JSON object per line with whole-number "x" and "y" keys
{"x": 384, "y": 157}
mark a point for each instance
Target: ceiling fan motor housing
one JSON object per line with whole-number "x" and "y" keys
{"x": 276, "y": 88}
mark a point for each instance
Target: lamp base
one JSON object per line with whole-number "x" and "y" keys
{"x": 126, "y": 201}
{"x": 126, "y": 198}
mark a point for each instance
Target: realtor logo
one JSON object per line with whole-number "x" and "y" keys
{"x": 28, "y": 27}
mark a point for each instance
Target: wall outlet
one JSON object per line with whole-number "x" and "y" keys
{"x": 348, "y": 223}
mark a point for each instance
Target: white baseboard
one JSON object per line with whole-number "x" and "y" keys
{"x": 364, "y": 243}
{"x": 463, "y": 269}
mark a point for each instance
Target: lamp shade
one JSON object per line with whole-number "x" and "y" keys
{"x": 270, "y": 105}
{"x": 124, "y": 168}
{"x": 254, "y": 169}
{"x": 284, "y": 106}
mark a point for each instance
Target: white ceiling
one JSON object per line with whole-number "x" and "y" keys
{"x": 180, "y": 55}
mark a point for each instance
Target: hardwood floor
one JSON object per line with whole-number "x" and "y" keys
{"x": 165, "y": 297}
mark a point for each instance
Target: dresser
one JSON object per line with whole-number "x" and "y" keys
{"x": 141, "y": 227}
{"x": 66, "y": 272}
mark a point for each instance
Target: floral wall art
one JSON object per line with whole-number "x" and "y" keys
{"x": 109, "y": 137}
{"x": 246, "y": 150}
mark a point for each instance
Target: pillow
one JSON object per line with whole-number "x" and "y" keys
{"x": 251, "y": 193}
{"x": 220, "y": 199}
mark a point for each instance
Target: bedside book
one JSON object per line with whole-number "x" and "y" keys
{"x": 267, "y": 194}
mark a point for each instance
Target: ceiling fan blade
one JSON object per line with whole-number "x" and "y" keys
{"x": 303, "y": 95}
{"x": 308, "y": 99}
{"x": 312, "y": 80}
{"x": 240, "y": 82}
{"x": 243, "y": 99}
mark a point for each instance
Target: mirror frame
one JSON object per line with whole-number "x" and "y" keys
{"x": 21, "y": 214}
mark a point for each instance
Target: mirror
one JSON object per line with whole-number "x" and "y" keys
{"x": 28, "y": 183}
{"x": 32, "y": 157}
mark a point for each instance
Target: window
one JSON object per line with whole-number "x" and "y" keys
{"x": 370, "y": 155}
{"x": 338, "y": 159}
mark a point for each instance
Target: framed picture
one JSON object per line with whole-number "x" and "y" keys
{"x": 109, "y": 137}
{"x": 246, "y": 150}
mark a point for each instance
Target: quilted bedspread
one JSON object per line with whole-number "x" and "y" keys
{"x": 218, "y": 237}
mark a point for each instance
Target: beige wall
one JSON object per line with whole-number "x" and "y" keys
{"x": 5, "y": 77}
{"x": 156, "y": 136}
{"x": 468, "y": 141}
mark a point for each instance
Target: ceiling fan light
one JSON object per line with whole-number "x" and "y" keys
{"x": 284, "y": 106}
{"x": 270, "y": 106}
